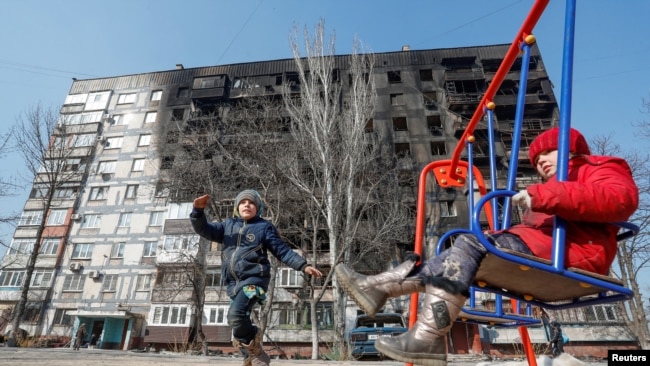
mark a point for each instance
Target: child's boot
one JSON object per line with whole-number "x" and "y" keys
{"x": 425, "y": 343}
{"x": 256, "y": 353}
{"x": 371, "y": 292}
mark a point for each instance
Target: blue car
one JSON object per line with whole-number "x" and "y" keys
{"x": 367, "y": 330}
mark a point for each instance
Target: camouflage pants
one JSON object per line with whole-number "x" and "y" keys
{"x": 461, "y": 261}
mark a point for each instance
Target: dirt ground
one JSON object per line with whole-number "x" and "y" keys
{"x": 68, "y": 357}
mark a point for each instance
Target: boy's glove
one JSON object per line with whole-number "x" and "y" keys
{"x": 201, "y": 202}
{"x": 522, "y": 199}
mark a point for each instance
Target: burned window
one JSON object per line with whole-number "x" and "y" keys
{"x": 173, "y": 137}
{"x": 399, "y": 124}
{"x": 406, "y": 178}
{"x": 481, "y": 147}
{"x": 183, "y": 93}
{"x": 397, "y": 99}
{"x": 178, "y": 114}
{"x": 167, "y": 162}
{"x": 394, "y": 77}
{"x": 292, "y": 78}
{"x": 365, "y": 76}
{"x": 491, "y": 65}
{"x": 403, "y": 149}
{"x": 208, "y": 82}
{"x": 426, "y": 75}
{"x": 438, "y": 148}
{"x": 434, "y": 124}
{"x": 32, "y": 312}
{"x": 447, "y": 209}
{"x": 370, "y": 125}
{"x": 430, "y": 100}
{"x": 459, "y": 63}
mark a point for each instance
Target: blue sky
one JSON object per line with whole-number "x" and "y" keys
{"x": 46, "y": 43}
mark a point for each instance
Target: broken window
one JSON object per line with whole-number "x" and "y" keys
{"x": 394, "y": 77}
{"x": 426, "y": 75}
{"x": 403, "y": 149}
{"x": 438, "y": 148}
{"x": 399, "y": 124}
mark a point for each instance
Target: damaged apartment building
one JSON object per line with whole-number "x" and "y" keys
{"x": 109, "y": 257}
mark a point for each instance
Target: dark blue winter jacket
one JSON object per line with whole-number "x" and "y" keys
{"x": 244, "y": 258}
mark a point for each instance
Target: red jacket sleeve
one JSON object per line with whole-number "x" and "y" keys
{"x": 599, "y": 189}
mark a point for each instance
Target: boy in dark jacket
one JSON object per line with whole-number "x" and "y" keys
{"x": 599, "y": 191}
{"x": 245, "y": 267}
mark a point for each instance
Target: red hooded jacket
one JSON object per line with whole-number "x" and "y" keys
{"x": 599, "y": 190}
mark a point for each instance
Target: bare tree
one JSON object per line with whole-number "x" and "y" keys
{"x": 6, "y": 186}
{"x": 184, "y": 278}
{"x": 336, "y": 164}
{"x": 633, "y": 255}
{"x": 54, "y": 152}
{"x": 222, "y": 149}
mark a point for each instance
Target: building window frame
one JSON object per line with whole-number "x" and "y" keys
{"x": 50, "y": 246}
{"x": 110, "y": 283}
{"x": 157, "y": 218}
{"x": 91, "y": 221}
{"x": 144, "y": 140}
{"x": 125, "y": 219}
{"x": 138, "y": 165}
{"x": 73, "y": 283}
{"x": 30, "y": 217}
{"x": 41, "y": 278}
{"x": 11, "y": 278}
{"x": 215, "y": 315}
{"x": 150, "y": 248}
{"x": 172, "y": 315}
{"x": 150, "y": 117}
{"x": 126, "y": 98}
{"x": 82, "y": 251}
{"x": 289, "y": 277}
{"x": 117, "y": 251}
{"x": 448, "y": 209}
{"x": 21, "y": 246}
{"x": 99, "y": 193}
{"x": 131, "y": 191}
{"x": 57, "y": 217}
{"x": 143, "y": 282}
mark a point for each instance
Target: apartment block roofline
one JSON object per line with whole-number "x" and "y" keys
{"x": 149, "y": 79}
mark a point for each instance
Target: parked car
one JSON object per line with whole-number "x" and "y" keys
{"x": 367, "y": 330}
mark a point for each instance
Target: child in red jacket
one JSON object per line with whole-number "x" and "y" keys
{"x": 599, "y": 190}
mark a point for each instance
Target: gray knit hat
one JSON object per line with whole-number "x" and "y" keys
{"x": 249, "y": 194}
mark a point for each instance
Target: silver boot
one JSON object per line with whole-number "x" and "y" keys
{"x": 371, "y": 292}
{"x": 425, "y": 343}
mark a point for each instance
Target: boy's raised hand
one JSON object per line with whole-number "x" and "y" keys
{"x": 201, "y": 202}
{"x": 313, "y": 271}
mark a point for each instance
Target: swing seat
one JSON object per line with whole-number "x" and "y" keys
{"x": 538, "y": 281}
{"x": 536, "y": 285}
{"x": 483, "y": 317}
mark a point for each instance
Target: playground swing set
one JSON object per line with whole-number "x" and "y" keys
{"x": 525, "y": 280}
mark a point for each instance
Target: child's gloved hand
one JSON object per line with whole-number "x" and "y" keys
{"x": 522, "y": 199}
{"x": 201, "y": 202}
